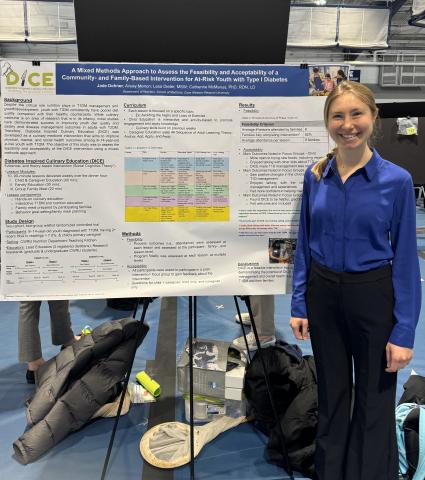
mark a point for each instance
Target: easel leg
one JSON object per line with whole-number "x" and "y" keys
{"x": 248, "y": 353}
{"x": 139, "y": 335}
{"x": 195, "y": 319}
{"x": 192, "y": 443}
{"x": 289, "y": 471}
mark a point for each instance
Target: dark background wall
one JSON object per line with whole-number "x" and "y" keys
{"x": 406, "y": 151}
{"x": 192, "y": 31}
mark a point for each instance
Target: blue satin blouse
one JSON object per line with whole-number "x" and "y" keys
{"x": 362, "y": 224}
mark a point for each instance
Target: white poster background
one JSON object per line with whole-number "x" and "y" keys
{"x": 64, "y": 188}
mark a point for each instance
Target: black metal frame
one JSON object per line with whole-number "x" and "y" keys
{"x": 192, "y": 318}
{"x": 247, "y": 301}
{"x": 192, "y": 328}
{"x": 146, "y": 301}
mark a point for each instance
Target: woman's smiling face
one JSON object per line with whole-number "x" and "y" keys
{"x": 350, "y": 122}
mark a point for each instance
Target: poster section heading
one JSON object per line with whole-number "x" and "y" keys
{"x": 180, "y": 79}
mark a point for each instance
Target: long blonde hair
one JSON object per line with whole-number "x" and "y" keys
{"x": 364, "y": 94}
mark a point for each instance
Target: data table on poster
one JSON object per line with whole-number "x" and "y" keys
{"x": 284, "y": 132}
{"x": 177, "y": 187}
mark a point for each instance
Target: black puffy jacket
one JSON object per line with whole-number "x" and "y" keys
{"x": 294, "y": 385}
{"x": 72, "y": 386}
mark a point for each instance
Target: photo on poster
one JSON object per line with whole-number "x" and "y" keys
{"x": 324, "y": 78}
{"x": 282, "y": 250}
{"x": 354, "y": 75}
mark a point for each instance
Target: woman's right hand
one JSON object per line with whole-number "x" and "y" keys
{"x": 300, "y": 328}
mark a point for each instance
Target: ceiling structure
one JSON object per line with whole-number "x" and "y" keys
{"x": 402, "y": 35}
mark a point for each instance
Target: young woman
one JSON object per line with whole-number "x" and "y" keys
{"x": 328, "y": 83}
{"x": 356, "y": 290}
{"x": 340, "y": 77}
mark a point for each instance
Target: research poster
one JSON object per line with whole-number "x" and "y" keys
{"x": 134, "y": 180}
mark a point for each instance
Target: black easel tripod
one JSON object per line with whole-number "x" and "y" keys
{"x": 142, "y": 330}
{"x": 140, "y": 333}
{"x": 192, "y": 330}
{"x": 247, "y": 301}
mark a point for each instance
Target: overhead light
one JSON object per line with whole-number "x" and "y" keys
{"x": 320, "y": 2}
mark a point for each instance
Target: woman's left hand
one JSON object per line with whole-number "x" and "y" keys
{"x": 397, "y": 357}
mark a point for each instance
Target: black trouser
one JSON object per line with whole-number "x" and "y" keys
{"x": 350, "y": 319}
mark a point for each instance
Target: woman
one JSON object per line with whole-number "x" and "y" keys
{"x": 340, "y": 77}
{"x": 316, "y": 81}
{"x": 356, "y": 290}
{"x": 328, "y": 83}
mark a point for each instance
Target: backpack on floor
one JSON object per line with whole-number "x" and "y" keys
{"x": 407, "y": 415}
{"x": 410, "y": 427}
{"x": 294, "y": 385}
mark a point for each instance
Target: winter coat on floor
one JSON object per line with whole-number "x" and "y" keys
{"x": 294, "y": 385}
{"x": 72, "y": 386}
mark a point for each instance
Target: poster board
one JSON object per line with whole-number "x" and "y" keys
{"x": 127, "y": 180}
